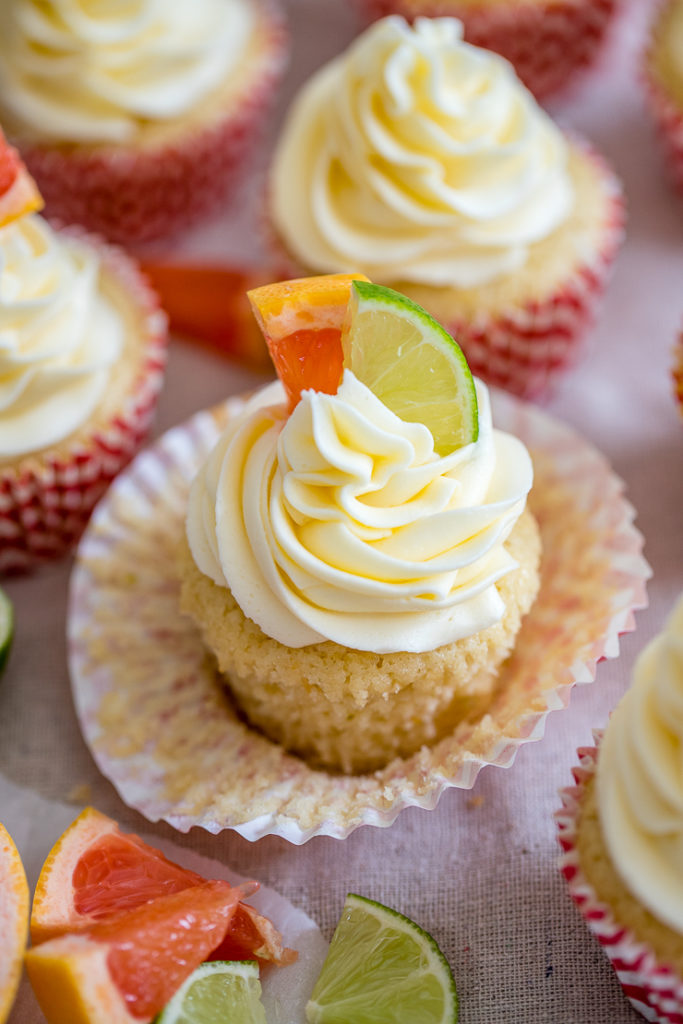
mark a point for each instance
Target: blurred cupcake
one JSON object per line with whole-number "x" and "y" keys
{"x": 424, "y": 163}
{"x": 547, "y": 41}
{"x": 136, "y": 121}
{"x": 664, "y": 82}
{"x": 677, "y": 372}
{"x": 621, "y": 828}
{"x": 81, "y": 360}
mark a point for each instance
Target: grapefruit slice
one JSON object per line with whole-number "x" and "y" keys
{"x": 13, "y": 921}
{"x": 301, "y": 321}
{"x": 18, "y": 191}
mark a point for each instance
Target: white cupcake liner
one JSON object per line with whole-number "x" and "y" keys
{"x": 653, "y": 989}
{"x": 161, "y": 727}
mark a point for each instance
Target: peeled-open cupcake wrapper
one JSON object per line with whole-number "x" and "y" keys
{"x": 654, "y": 990}
{"x": 667, "y": 114}
{"x": 547, "y": 42}
{"x": 162, "y": 728}
{"x": 45, "y": 503}
{"x": 137, "y": 196}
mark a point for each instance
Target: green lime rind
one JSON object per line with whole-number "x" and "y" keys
{"x": 217, "y": 992}
{"x": 411, "y": 364}
{"x": 6, "y": 627}
{"x": 381, "y": 966}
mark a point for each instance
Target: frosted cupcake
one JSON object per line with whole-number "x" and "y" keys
{"x": 81, "y": 364}
{"x": 547, "y": 41}
{"x": 622, "y": 831}
{"x": 136, "y": 118}
{"x": 423, "y": 162}
{"x": 664, "y": 80}
{"x": 358, "y": 589}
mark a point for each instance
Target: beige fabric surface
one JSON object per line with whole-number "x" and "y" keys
{"x": 480, "y": 871}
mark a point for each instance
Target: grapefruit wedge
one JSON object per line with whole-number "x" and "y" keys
{"x": 13, "y": 921}
{"x": 19, "y": 194}
{"x": 301, "y": 321}
{"x": 117, "y": 927}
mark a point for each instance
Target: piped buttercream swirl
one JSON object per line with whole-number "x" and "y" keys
{"x": 640, "y": 777}
{"x": 417, "y": 157}
{"x": 341, "y": 523}
{"x": 59, "y": 336}
{"x": 93, "y": 71}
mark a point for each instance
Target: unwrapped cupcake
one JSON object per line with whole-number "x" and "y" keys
{"x": 548, "y": 41}
{"x": 359, "y": 553}
{"x": 424, "y": 163}
{"x": 137, "y": 118}
{"x": 664, "y": 81}
{"x": 621, "y": 828}
{"x": 82, "y": 352}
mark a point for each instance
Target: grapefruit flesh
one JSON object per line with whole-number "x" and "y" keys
{"x": 18, "y": 192}
{"x": 14, "y": 902}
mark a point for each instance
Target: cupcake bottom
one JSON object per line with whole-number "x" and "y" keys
{"x": 46, "y": 497}
{"x": 646, "y": 955}
{"x": 351, "y": 710}
{"x": 547, "y": 42}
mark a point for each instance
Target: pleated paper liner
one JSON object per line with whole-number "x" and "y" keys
{"x": 654, "y": 989}
{"x": 46, "y": 501}
{"x": 133, "y": 196}
{"x": 666, "y": 112}
{"x": 548, "y": 43}
{"x": 159, "y": 723}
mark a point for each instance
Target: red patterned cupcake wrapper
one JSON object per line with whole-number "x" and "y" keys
{"x": 668, "y": 116}
{"x": 546, "y": 43}
{"x": 45, "y": 504}
{"x": 654, "y": 990}
{"x": 135, "y": 197}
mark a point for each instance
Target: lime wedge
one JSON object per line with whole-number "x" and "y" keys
{"x": 217, "y": 992}
{"x": 382, "y": 967}
{"x": 6, "y": 627}
{"x": 411, "y": 364}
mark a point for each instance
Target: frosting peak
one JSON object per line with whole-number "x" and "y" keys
{"x": 415, "y": 156}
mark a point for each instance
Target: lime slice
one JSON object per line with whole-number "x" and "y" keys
{"x": 6, "y": 627}
{"x": 411, "y": 364}
{"x": 216, "y": 992}
{"x": 382, "y": 967}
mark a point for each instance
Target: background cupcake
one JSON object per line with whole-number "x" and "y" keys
{"x": 136, "y": 122}
{"x": 80, "y": 370}
{"x": 424, "y": 163}
{"x": 546, "y": 40}
{"x": 664, "y": 82}
{"x": 621, "y": 828}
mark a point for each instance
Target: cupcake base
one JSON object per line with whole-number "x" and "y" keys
{"x": 546, "y": 42}
{"x": 630, "y": 938}
{"x": 46, "y": 500}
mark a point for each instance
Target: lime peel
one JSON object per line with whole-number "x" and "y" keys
{"x": 6, "y": 627}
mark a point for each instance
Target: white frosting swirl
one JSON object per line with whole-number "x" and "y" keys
{"x": 341, "y": 523}
{"x": 640, "y": 778}
{"x": 417, "y": 157}
{"x": 59, "y": 336}
{"x": 93, "y": 70}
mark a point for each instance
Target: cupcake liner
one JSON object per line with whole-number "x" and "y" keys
{"x": 547, "y": 43}
{"x": 45, "y": 502}
{"x": 667, "y": 114}
{"x": 138, "y": 196}
{"x": 162, "y": 728}
{"x": 652, "y": 989}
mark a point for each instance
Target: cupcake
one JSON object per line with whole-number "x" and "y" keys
{"x": 358, "y": 580}
{"x": 424, "y": 163}
{"x": 136, "y": 119}
{"x": 547, "y": 41}
{"x": 621, "y": 828}
{"x": 83, "y": 351}
{"x": 664, "y": 83}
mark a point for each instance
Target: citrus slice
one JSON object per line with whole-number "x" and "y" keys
{"x": 13, "y": 921}
{"x": 18, "y": 191}
{"x": 411, "y": 364}
{"x": 219, "y": 991}
{"x": 301, "y": 321}
{"x": 6, "y": 627}
{"x": 381, "y": 966}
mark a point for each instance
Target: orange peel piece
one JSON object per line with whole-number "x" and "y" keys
{"x": 14, "y": 904}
